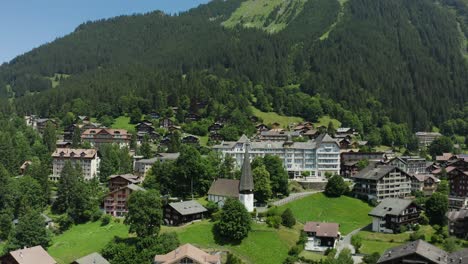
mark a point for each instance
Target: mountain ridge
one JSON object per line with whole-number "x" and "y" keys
{"x": 391, "y": 53}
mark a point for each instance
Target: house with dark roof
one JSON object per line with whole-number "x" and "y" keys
{"x": 381, "y": 181}
{"x": 222, "y": 189}
{"x": 142, "y": 166}
{"x": 421, "y": 252}
{"x": 391, "y": 214}
{"x": 321, "y": 236}
{"x": 458, "y": 223}
{"x": 93, "y": 258}
{"x": 183, "y": 212}
{"x": 187, "y": 254}
{"x": 32, "y": 255}
{"x": 121, "y": 180}
{"x": 426, "y": 183}
{"x": 409, "y": 164}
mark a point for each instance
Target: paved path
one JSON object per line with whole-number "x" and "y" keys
{"x": 346, "y": 243}
{"x": 293, "y": 197}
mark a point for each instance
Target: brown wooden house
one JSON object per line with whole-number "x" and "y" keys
{"x": 183, "y": 212}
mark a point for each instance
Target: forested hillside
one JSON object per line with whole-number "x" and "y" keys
{"x": 374, "y": 58}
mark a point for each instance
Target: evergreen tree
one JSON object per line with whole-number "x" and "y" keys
{"x": 278, "y": 175}
{"x": 145, "y": 148}
{"x": 288, "y": 218}
{"x": 50, "y": 137}
{"x": 76, "y": 138}
{"x": 29, "y": 232}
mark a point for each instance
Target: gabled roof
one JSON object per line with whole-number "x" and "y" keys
{"x": 129, "y": 177}
{"x": 188, "y": 207}
{"x": 187, "y": 251}
{"x": 325, "y": 138}
{"x": 93, "y": 258}
{"x": 322, "y": 229}
{"x": 74, "y": 153}
{"x": 457, "y": 215}
{"x": 419, "y": 247}
{"x": 390, "y": 206}
{"x": 132, "y": 187}
{"x": 225, "y": 187}
{"x": 373, "y": 172}
{"x": 33, "y": 255}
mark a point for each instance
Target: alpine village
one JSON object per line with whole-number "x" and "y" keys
{"x": 241, "y": 131}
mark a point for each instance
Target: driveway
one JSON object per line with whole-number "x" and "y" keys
{"x": 293, "y": 197}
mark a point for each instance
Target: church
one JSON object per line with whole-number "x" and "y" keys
{"x": 243, "y": 189}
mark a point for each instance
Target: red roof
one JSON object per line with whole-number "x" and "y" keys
{"x": 322, "y": 229}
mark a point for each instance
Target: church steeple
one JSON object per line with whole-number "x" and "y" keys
{"x": 246, "y": 181}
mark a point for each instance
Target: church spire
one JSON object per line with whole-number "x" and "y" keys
{"x": 246, "y": 181}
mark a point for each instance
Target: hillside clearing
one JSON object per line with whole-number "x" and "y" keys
{"x": 272, "y": 117}
{"x": 123, "y": 122}
{"x": 82, "y": 240}
{"x": 251, "y": 250}
{"x": 350, "y": 213}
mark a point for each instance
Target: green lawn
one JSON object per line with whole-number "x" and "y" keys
{"x": 263, "y": 245}
{"x": 379, "y": 242}
{"x": 123, "y": 122}
{"x": 82, "y": 240}
{"x": 350, "y": 213}
{"x": 312, "y": 255}
{"x": 254, "y": 13}
{"x": 203, "y": 141}
{"x": 272, "y": 117}
{"x": 325, "y": 120}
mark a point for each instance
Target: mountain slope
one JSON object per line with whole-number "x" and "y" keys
{"x": 402, "y": 57}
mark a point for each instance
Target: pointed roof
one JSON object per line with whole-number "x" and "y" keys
{"x": 246, "y": 180}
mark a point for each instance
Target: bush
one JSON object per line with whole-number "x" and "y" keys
{"x": 212, "y": 207}
{"x": 216, "y": 216}
{"x": 105, "y": 219}
{"x": 96, "y": 215}
{"x": 336, "y": 187}
{"x": 356, "y": 241}
{"x": 435, "y": 239}
{"x": 273, "y": 211}
{"x": 423, "y": 219}
{"x": 274, "y": 221}
{"x": 287, "y": 218}
{"x": 117, "y": 220}
{"x": 290, "y": 260}
{"x": 416, "y": 227}
{"x": 417, "y": 235}
{"x": 233, "y": 259}
{"x": 65, "y": 222}
{"x": 295, "y": 250}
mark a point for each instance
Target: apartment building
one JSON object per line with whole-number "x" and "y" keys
{"x": 86, "y": 158}
{"x": 317, "y": 156}
{"x": 382, "y": 181}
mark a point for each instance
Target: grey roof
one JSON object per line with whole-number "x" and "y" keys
{"x": 188, "y": 207}
{"x": 225, "y": 188}
{"x": 160, "y": 156}
{"x": 420, "y": 247}
{"x": 135, "y": 187}
{"x": 373, "y": 172}
{"x": 390, "y": 206}
{"x": 93, "y": 258}
{"x": 325, "y": 138}
{"x": 243, "y": 139}
{"x": 459, "y": 257}
{"x": 129, "y": 177}
{"x": 246, "y": 180}
{"x": 457, "y": 215}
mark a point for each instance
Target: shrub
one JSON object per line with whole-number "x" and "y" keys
{"x": 287, "y": 218}
{"x": 423, "y": 219}
{"x": 295, "y": 250}
{"x": 96, "y": 215}
{"x": 273, "y": 211}
{"x": 417, "y": 235}
{"x": 65, "y": 222}
{"x": 117, "y": 220}
{"x": 105, "y": 219}
{"x": 274, "y": 221}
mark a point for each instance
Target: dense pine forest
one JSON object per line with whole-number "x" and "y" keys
{"x": 365, "y": 62}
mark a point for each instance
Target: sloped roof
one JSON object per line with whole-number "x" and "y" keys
{"x": 246, "y": 180}
{"x": 390, "y": 206}
{"x": 129, "y": 177}
{"x": 187, "y": 251}
{"x": 225, "y": 187}
{"x": 132, "y": 187}
{"x": 322, "y": 229}
{"x": 188, "y": 207}
{"x": 93, "y": 258}
{"x": 33, "y": 255}
{"x": 457, "y": 215}
{"x": 78, "y": 153}
{"x": 420, "y": 247}
{"x": 373, "y": 172}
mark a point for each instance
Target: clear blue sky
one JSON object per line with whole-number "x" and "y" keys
{"x": 26, "y": 24}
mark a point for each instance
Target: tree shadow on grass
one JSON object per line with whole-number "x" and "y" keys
{"x": 221, "y": 240}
